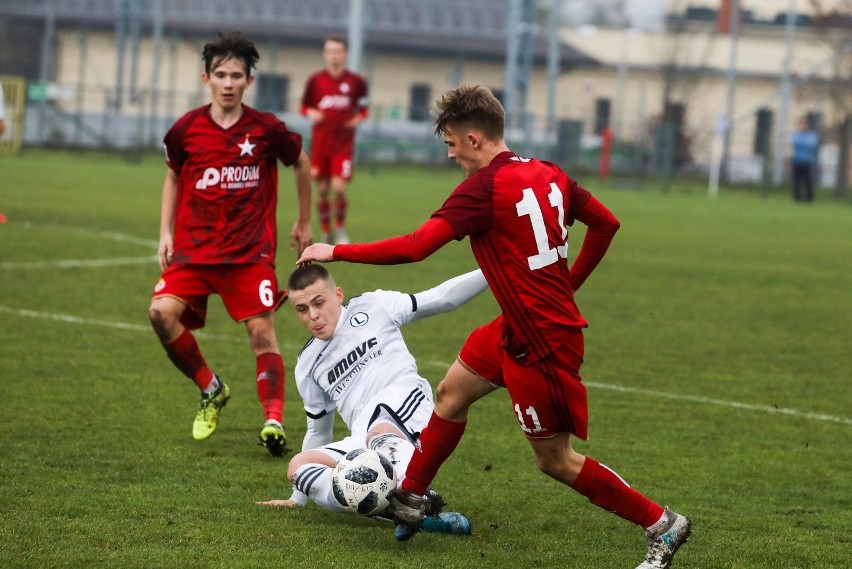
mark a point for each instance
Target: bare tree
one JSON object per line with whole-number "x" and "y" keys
{"x": 832, "y": 23}
{"x": 683, "y": 64}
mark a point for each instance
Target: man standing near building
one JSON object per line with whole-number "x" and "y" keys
{"x": 805, "y": 147}
{"x": 335, "y": 101}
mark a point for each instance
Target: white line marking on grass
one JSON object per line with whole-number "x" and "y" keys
{"x": 77, "y": 263}
{"x": 68, "y": 319}
{"x": 723, "y": 403}
{"x": 700, "y": 399}
{"x": 111, "y": 235}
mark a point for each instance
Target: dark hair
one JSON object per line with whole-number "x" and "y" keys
{"x": 306, "y": 275}
{"x": 471, "y": 106}
{"x": 230, "y": 45}
{"x": 338, "y": 39}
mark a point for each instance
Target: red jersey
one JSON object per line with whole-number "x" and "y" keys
{"x": 517, "y": 212}
{"x": 339, "y": 99}
{"x": 227, "y": 186}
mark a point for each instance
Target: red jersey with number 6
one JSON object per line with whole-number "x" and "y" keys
{"x": 517, "y": 212}
{"x": 227, "y": 186}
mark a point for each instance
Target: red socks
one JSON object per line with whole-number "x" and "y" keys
{"x": 341, "y": 206}
{"x": 439, "y": 438}
{"x": 186, "y": 356}
{"x": 270, "y": 385}
{"x": 606, "y": 489}
{"x": 324, "y": 213}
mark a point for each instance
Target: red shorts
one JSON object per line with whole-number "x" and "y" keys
{"x": 246, "y": 290}
{"x": 548, "y": 395}
{"x": 330, "y": 158}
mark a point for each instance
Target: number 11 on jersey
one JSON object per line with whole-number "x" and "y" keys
{"x": 529, "y": 206}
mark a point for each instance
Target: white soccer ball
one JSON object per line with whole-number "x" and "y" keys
{"x": 363, "y": 481}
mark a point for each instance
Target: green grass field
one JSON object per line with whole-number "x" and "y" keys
{"x": 718, "y": 366}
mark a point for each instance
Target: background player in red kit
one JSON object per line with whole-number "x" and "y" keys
{"x": 219, "y": 199}
{"x": 335, "y": 101}
{"x": 516, "y": 211}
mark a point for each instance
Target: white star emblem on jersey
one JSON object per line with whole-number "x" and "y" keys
{"x": 246, "y": 147}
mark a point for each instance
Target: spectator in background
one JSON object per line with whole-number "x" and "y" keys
{"x": 335, "y": 101}
{"x": 805, "y": 147}
{"x": 219, "y": 234}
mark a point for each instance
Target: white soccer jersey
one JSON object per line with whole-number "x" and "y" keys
{"x": 365, "y": 355}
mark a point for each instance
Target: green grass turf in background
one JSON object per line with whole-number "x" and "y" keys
{"x": 718, "y": 367}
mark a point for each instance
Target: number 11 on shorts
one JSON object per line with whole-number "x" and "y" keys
{"x": 533, "y": 417}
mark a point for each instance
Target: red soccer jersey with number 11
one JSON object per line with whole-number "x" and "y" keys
{"x": 517, "y": 212}
{"x": 227, "y": 186}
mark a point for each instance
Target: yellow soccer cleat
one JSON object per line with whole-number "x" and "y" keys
{"x": 208, "y": 414}
{"x": 272, "y": 436}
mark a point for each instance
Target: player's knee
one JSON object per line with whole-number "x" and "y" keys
{"x": 450, "y": 403}
{"x": 161, "y": 322}
{"x": 295, "y": 463}
{"x": 562, "y": 466}
{"x": 262, "y": 343}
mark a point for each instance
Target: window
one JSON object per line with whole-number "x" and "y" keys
{"x": 272, "y": 92}
{"x": 418, "y": 110}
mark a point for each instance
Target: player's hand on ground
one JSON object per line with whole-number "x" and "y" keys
{"x": 321, "y": 252}
{"x": 301, "y": 237}
{"x": 280, "y": 503}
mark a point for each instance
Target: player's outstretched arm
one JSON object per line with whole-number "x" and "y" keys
{"x": 450, "y": 294}
{"x": 411, "y": 248}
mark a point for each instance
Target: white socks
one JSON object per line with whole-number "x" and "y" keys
{"x": 315, "y": 480}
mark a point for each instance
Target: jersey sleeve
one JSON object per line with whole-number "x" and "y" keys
{"x": 450, "y": 294}
{"x": 285, "y": 144}
{"x": 363, "y": 98}
{"x": 602, "y": 225}
{"x": 469, "y": 209}
{"x": 316, "y": 402}
{"x": 308, "y": 101}
{"x": 400, "y": 307}
{"x": 411, "y": 248}
{"x": 579, "y": 197}
{"x": 176, "y": 154}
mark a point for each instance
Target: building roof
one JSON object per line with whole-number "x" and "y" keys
{"x": 472, "y": 28}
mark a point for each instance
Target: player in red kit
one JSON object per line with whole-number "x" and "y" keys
{"x": 218, "y": 232}
{"x": 335, "y": 101}
{"x": 516, "y": 211}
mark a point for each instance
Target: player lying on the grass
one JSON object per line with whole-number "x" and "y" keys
{"x": 358, "y": 364}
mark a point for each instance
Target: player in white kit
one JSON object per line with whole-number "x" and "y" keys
{"x": 357, "y": 363}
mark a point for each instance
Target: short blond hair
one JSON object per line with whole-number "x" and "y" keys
{"x": 471, "y": 107}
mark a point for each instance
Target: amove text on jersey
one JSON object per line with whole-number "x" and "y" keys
{"x": 343, "y": 365}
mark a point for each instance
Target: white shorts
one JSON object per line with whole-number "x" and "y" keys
{"x": 407, "y": 408}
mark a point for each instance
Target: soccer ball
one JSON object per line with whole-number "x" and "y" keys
{"x": 363, "y": 481}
